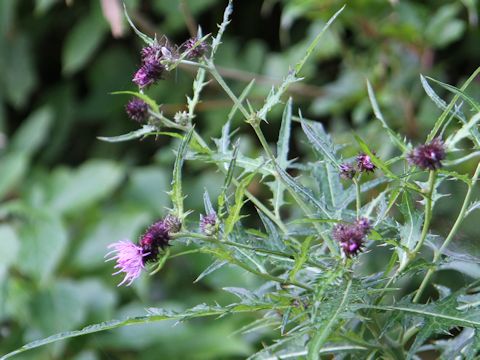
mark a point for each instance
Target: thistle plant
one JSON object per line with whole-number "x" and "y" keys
{"x": 320, "y": 229}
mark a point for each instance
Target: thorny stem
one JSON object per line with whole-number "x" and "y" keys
{"x": 199, "y": 84}
{"x": 213, "y": 71}
{"x": 450, "y": 236}
{"x": 423, "y": 236}
{"x": 428, "y": 211}
{"x": 254, "y": 122}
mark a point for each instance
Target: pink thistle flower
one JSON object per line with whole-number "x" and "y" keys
{"x": 129, "y": 258}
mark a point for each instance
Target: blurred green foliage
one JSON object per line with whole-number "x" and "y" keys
{"x": 65, "y": 195}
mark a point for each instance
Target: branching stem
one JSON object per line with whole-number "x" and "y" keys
{"x": 428, "y": 211}
{"x": 451, "y": 234}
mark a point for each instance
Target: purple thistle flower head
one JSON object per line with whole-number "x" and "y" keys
{"x": 352, "y": 236}
{"x": 351, "y": 248}
{"x": 347, "y": 172}
{"x": 208, "y": 224}
{"x": 151, "y": 53}
{"x": 364, "y": 163}
{"x": 428, "y": 156}
{"x": 137, "y": 110}
{"x": 129, "y": 258}
{"x": 194, "y": 52}
{"x": 149, "y": 73}
{"x": 155, "y": 237}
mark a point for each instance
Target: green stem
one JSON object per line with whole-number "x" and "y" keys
{"x": 428, "y": 211}
{"x": 186, "y": 252}
{"x": 359, "y": 194}
{"x": 450, "y": 236}
{"x": 198, "y": 86}
{"x": 213, "y": 71}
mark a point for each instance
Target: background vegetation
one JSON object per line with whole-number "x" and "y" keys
{"x": 65, "y": 195}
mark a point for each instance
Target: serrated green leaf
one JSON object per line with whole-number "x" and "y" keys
{"x": 217, "y": 264}
{"x": 301, "y": 258}
{"x": 207, "y": 203}
{"x": 329, "y": 185}
{"x": 137, "y": 134}
{"x": 474, "y": 104}
{"x": 313, "y": 45}
{"x": 234, "y": 213}
{"x": 320, "y": 140}
{"x": 277, "y": 186}
{"x": 177, "y": 193}
{"x": 439, "y": 102}
{"x": 378, "y": 114}
{"x": 467, "y": 129}
{"x": 409, "y": 230}
{"x": 147, "y": 40}
{"x": 443, "y": 117}
{"x": 296, "y": 189}
{"x": 155, "y": 315}
{"x": 241, "y": 99}
{"x": 274, "y": 241}
{"x": 222, "y": 204}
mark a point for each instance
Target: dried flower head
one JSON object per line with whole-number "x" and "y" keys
{"x": 347, "y": 171}
{"x": 149, "y": 73}
{"x": 130, "y": 260}
{"x": 155, "y": 237}
{"x": 208, "y": 224}
{"x": 137, "y": 110}
{"x": 195, "y": 48}
{"x": 352, "y": 236}
{"x": 364, "y": 163}
{"x": 428, "y": 156}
